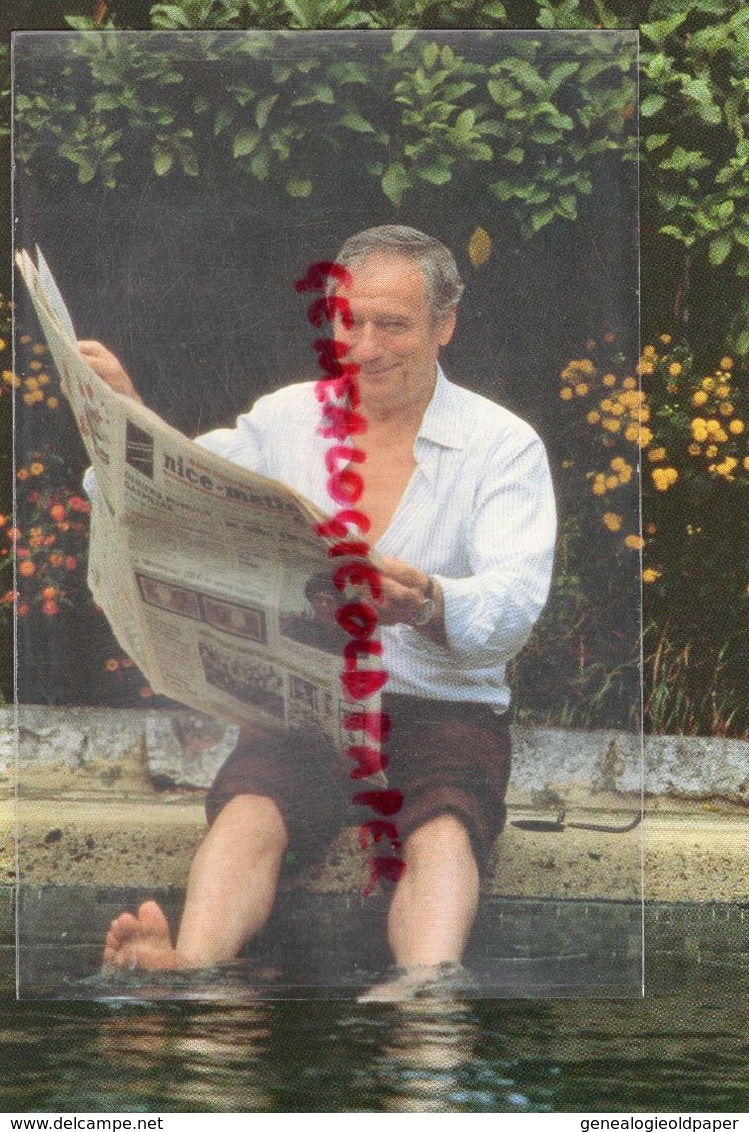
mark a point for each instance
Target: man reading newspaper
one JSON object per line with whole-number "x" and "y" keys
{"x": 459, "y": 503}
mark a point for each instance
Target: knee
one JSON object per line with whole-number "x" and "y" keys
{"x": 443, "y": 837}
{"x": 257, "y": 818}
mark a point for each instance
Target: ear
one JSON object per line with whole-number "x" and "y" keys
{"x": 446, "y": 327}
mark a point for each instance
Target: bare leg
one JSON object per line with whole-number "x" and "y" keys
{"x": 433, "y": 907}
{"x": 230, "y": 894}
{"x": 435, "y": 903}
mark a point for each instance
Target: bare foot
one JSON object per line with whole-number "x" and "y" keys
{"x": 406, "y": 983}
{"x": 141, "y": 941}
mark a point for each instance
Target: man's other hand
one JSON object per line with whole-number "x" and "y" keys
{"x": 109, "y": 368}
{"x": 404, "y": 591}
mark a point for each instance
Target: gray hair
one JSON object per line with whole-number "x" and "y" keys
{"x": 441, "y": 276}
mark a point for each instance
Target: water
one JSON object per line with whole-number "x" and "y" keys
{"x": 684, "y": 1047}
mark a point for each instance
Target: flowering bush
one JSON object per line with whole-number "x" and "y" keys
{"x": 46, "y": 536}
{"x": 687, "y": 432}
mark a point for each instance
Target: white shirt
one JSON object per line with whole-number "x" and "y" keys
{"x": 478, "y": 514}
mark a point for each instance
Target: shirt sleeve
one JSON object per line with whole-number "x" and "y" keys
{"x": 242, "y": 444}
{"x": 493, "y": 610}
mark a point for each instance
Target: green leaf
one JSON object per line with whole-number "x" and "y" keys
{"x": 394, "y": 183}
{"x": 224, "y": 118}
{"x": 263, "y": 109}
{"x": 260, "y": 164}
{"x": 107, "y": 100}
{"x": 742, "y": 343}
{"x": 651, "y": 105}
{"x": 245, "y": 141}
{"x": 401, "y": 40}
{"x": 188, "y": 160}
{"x": 162, "y": 162}
{"x": 659, "y": 31}
{"x": 353, "y": 121}
{"x": 497, "y": 11}
{"x": 566, "y": 206}
{"x": 540, "y": 219}
{"x": 435, "y": 174}
{"x": 720, "y": 249}
{"x": 655, "y": 141}
{"x": 515, "y": 155}
{"x": 430, "y": 54}
{"x": 348, "y": 72}
{"x": 299, "y": 187}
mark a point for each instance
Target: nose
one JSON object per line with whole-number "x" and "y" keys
{"x": 365, "y": 343}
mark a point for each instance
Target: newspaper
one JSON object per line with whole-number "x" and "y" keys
{"x": 214, "y": 579}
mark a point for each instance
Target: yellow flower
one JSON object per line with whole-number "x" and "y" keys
{"x": 31, "y": 383}
{"x": 611, "y": 482}
{"x": 726, "y": 363}
{"x": 632, "y": 433}
{"x": 745, "y": 463}
{"x": 36, "y": 468}
{"x": 43, "y": 379}
{"x": 52, "y": 402}
{"x": 608, "y": 379}
{"x": 3, "y": 343}
{"x": 711, "y": 451}
{"x": 674, "y": 369}
{"x": 699, "y": 429}
{"x": 617, "y": 410}
{"x": 611, "y": 424}
{"x": 708, "y": 383}
{"x": 663, "y": 478}
{"x": 625, "y": 475}
{"x": 656, "y": 454}
{"x": 582, "y": 389}
{"x": 694, "y": 450}
{"x": 736, "y": 426}
{"x": 634, "y": 542}
{"x": 650, "y": 575}
{"x": 566, "y": 393}
{"x": 618, "y": 463}
{"x": 648, "y": 351}
{"x": 599, "y": 487}
{"x": 39, "y": 348}
{"x": 593, "y": 417}
{"x": 629, "y": 383}
{"x": 25, "y": 339}
{"x": 35, "y": 365}
{"x": 611, "y": 520}
{"x": 645, "y": 368}
{"x": 722, "y": 390}
{"x": 725, "y": 408}
{"x": 700, "y": 397}
{"x": 645, "y": 437}
{"x": 665, "y": 339}
{"x": 607, "y": 405}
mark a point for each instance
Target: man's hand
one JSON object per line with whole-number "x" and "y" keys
{"x": 404, "y": 591}
{"x": 109, "y": 368}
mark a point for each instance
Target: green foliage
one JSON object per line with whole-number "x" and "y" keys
{"x": 433, "y": 115}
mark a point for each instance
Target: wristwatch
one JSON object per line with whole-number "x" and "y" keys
{"x": 427, "y": 609}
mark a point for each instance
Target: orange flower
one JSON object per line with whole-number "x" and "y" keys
{"x": 26, "y": 568}
{"x": 112, "y": 664}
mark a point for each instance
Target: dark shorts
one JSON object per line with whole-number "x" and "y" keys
{"x": 444, "y": 758}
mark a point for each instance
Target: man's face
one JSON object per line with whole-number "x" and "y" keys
{"x": 394, "y": 339}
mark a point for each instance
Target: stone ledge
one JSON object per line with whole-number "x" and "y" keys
{"x": 125, "y": 751}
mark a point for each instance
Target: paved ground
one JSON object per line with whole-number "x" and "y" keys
{"x": 692, "y": 851}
